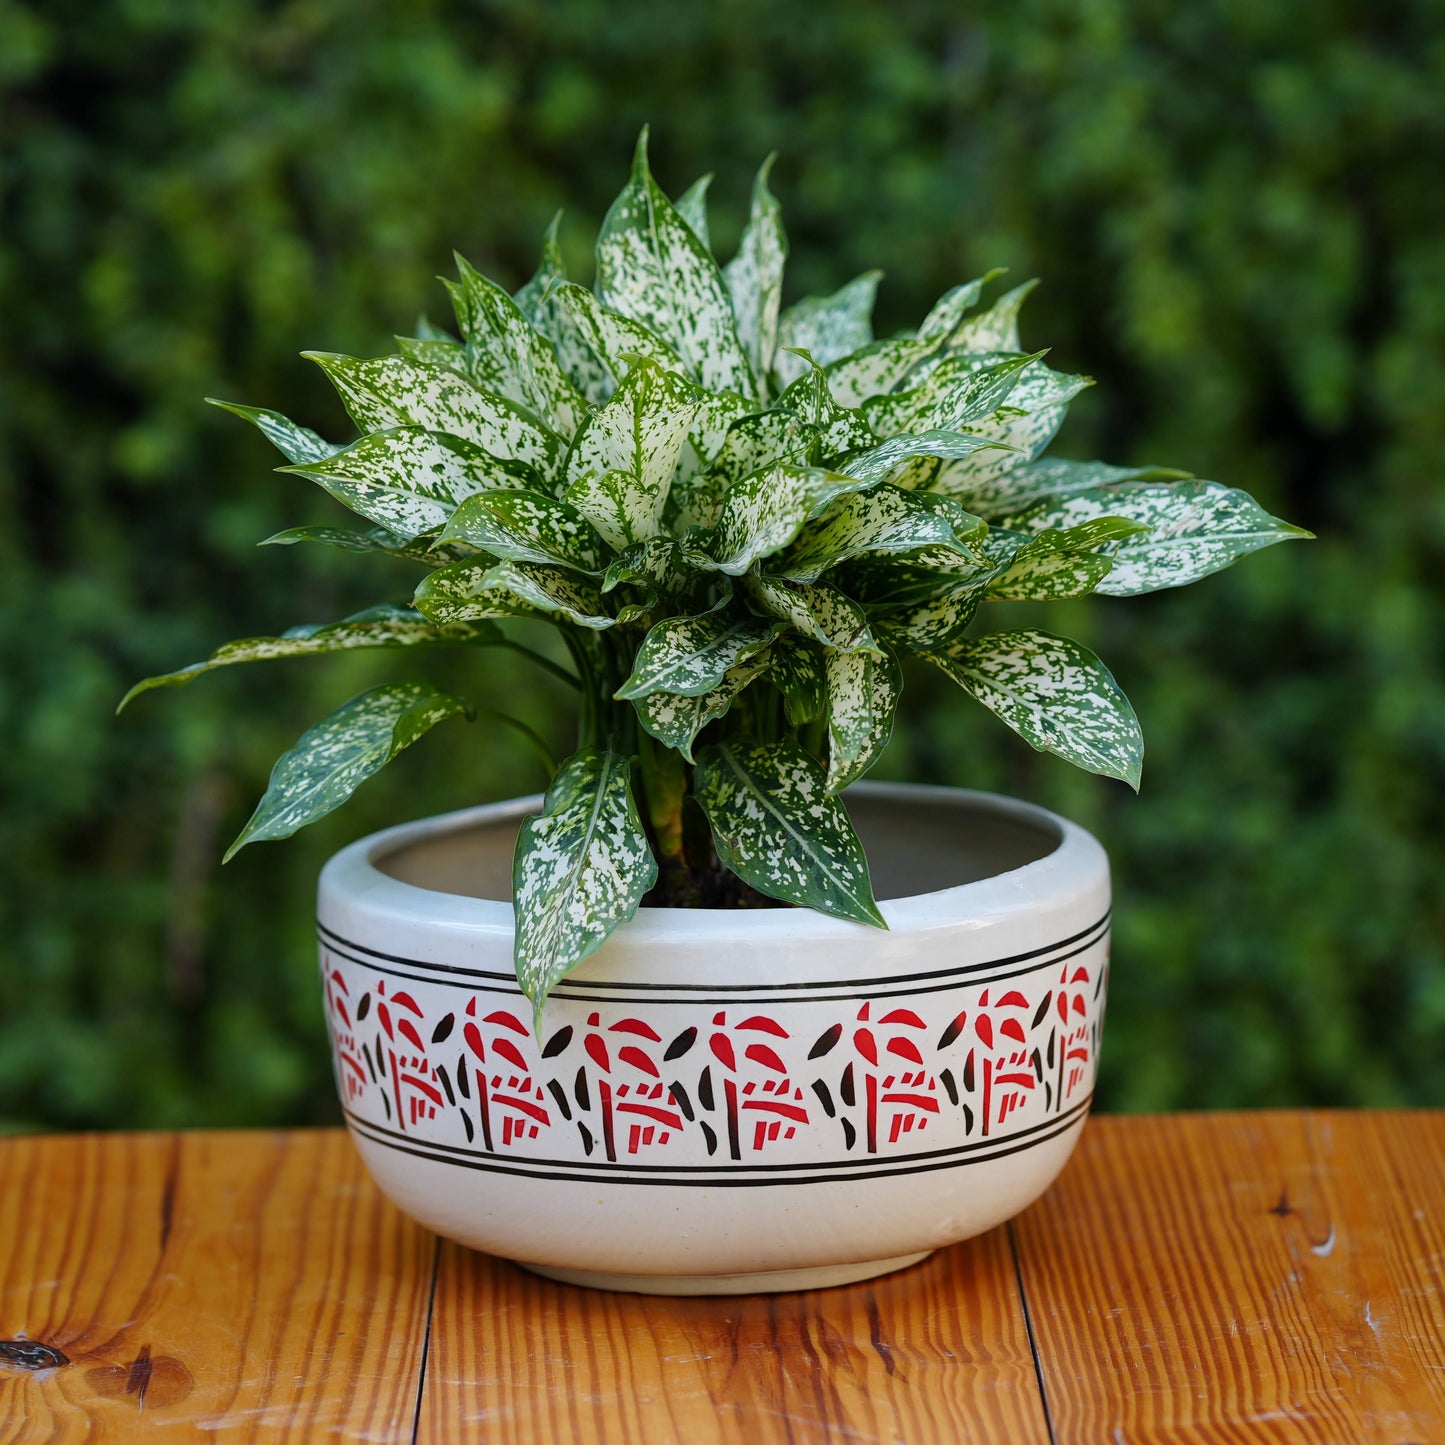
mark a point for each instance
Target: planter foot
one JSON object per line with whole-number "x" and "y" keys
{"x": 771, "y": 1281}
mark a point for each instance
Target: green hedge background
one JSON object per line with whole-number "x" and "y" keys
{"x": 1237, "y": 211}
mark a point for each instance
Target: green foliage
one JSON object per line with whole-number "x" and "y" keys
{"x": 1236, "y": 212}
{"x": 488, "y": 447}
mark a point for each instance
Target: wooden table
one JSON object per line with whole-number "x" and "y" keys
{"x": 1227, "y": 1277}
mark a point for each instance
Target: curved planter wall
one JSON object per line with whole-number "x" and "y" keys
{"x": 725, "y": 1101}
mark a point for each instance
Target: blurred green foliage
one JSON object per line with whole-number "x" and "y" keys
{"x": 1237, "y": 212}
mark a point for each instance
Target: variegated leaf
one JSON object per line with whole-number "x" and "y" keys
{"x": 551, "y": 272}
{"x": 827, "y": 327}
{"x": 884, "y": 519}
{"x": 428, "y": 351}
{"x": 863, "y": 692}
{"x": 763, "y": 513}
{"x": 295, "y": 443}
{"x": 938, "y": 621}
{"x": 374, "y": 539}
{"x": 876, "y": 368}
{"x": 333, "y": 759}
{"x": 885, "y": 460}
{"x": 651, "y": 563}
{"x": 814, "y": 610}
{"x": 776, "y": 826}
{"x": 527, "y": 527}
{"x": 477, "y": 588}
{"x": 755, "y": 276}
{"x": 692, "y": 207}
{"x": 393, "y": 391}
{"x": 1194, "y": 529}
{"x": 598, "y": 344}
{"x": 795, "y": 668}
{"x": 716, "y": 412}
{"x": 690, "y": 655}
{"x": 996, "y": 329}
{"x": 840, "y": 429}
{"x": 652, "y": 267}
{"x": 1056, "y": 695}
{"x": 957, "y": 392}
{"x": 581, "y": 869}
{"x": 1014, "y": 491}
{"x": 1056, "y": 563}
{"x": 505, "y": 355}
{"x": 676, "y": 719}
{"x": 410, "y": 481}
{"x": 383, "y": 626}
{"x": 942, "y": 323}
{"x": 624, "y": 455}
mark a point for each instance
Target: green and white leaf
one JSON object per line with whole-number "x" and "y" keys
{"x": 527, "y": 527}
{"x": 937, "y": 622}
{"x": 795, "y": 668}
{"x": 676, "y": 719}
{"x": 763, "y": 513}
{"x": 883, "y": 461}
{"x": 876, "y": 368}
{"x": 410, "y": 481}
{"x": 505, "y": 354}
{"x": 863, "y": 692}
{"x": 598, "y": 346}
{"x": 839, "y": 428}
{"x": 551, "y": 272}
{"x": 692, "y": 207}
{"x": 346, "y": 539}
{"x": 477, "y": 588}
{"x": 333, "y": 759}
{"x": 383, "y": 626}
{"x": 430, "y": 351}
{"x": 942, "y": 323}
{"x": 996, "y": 329}
{"x": 394, "y": 391}
{"x": 755, "y": 276}
{"x": 827, "y": 327}
{"x": 776, "y": 826}
{"x": 623, "y": 457}
{"x": 1056, "y": 695}
{"x": 652, "y": 267}
{"x": 1013, "y": 491}
{"x": 1054, "y": 564}
{"x": 295, "y": 443}
{"x": 653, "y": 563}
{"x": 884, "y": 519}
{"x": 961, "y": 390}
{"x": 582, "y": 867}
{"x": 815, "y": 610}
{"x": 690, "y": 655}
{"x": 1194, "y": 529}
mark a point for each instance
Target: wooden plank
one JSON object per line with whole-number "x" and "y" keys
{"x": 249, "y": 1285}
{"x": 939, "y": 1352}
{"x": 1243, "y": 1278}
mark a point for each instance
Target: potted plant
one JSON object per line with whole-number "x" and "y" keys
{"x": 586, "y": 1035}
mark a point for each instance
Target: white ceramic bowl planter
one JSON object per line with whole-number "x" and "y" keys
{"x": 720, "y": 1101}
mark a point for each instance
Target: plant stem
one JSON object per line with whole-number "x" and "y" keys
{"x": 537, "y": 741}
{"x": 542, "y": 661}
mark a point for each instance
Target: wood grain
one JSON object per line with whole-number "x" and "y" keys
{"x": 939, "y": 1352}
{"x": 248, "y": 1286}
{"x": 1244, "y": 1278}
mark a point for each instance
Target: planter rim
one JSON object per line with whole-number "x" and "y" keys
{"x": 1073, "y": 865}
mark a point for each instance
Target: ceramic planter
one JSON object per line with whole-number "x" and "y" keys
{"x": 723, "y": 1102}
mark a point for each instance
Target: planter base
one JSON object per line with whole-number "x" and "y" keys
{"x": 771, "y": 1281}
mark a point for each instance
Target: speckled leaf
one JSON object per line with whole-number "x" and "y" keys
{"x": 692, "y": 207}
{"x": 505, "y": 354}
{"x": 477, "y": 588}
{"x": 795, "y": 668}
{"x": 996, "y": 329}
{"x": 957, "y": 392}
{"x": 863, "y": 692}
{"x": 393, "y": 391}
{"x": 942, "y": 323}
{"x": 1056, "y": 563}
{"x": 527, "y": 527}
{"x": 623, "y": 456}
{"x": 675, "y": 719}
{"x": 599, "y": 343}
{"x": 827, "y": 327}
{"x": 551, "y": 272}
{"x": 430, "y": 351}
{"x": 341, "y": 752}
{"x": 1030, "y": 482}
{"x": 876, "y": 368}
{"x": 1056, "y": 695}
{"x": 383, "y": 626}
{"x": 581, "y": 869}
{"x": 652, "y": 267}
{"x": 755, "y": 275}
{"x": 1195, "y": 528}
{"x": 295, "y": 443}
{"x": 885, "y": 519}
{"x": 815, "y": 610}
{"x": 374, "y": 539}
{"x": 689, "y": 655}
{"x": 776, "y": 826}
{"x": 938, "y": 621}
{"x": 650, "y": 563}
{"x": 763, "y": 513}
{"x": 550, "y": 589}
{"x": 410, "y": 481}
{"x": 888, "y": 457}
{"x": 840, "y": 429}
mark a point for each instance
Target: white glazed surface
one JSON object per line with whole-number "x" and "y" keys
{"x": 894, "y": 1092}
